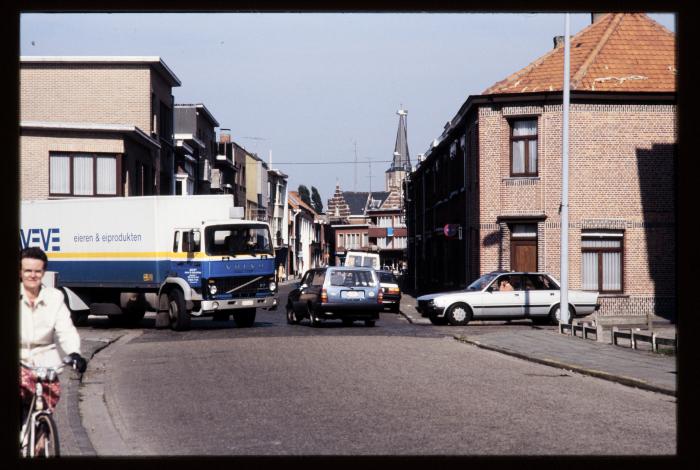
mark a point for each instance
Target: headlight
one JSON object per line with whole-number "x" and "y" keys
{"x": 273, "y": 286}
{"x": 213, "y": 289}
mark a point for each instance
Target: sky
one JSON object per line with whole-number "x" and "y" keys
{"x": 319, "y": 91}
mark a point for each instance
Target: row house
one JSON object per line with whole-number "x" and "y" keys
{"x": 223, "y": 177}
{"x": 364, "y": 221}
{"x": 196, "y": 149}
{"x": 487, "y": 194}
{"x": 257, "y": 197}
{"x": 375, "y": 221}
{"x": 307, "y": 242}
{"x": 96, "y": 126}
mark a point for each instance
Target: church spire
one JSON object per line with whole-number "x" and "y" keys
{"x": 402, "y": 160}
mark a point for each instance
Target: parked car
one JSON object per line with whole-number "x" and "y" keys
{"x": 336, "y": 292}
{"x": 531, "y": 295}
{"x": 390, "y": 289}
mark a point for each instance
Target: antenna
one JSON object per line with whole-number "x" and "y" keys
{"x": 354, "y": 181}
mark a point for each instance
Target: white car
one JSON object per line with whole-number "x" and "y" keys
{"x": 531, "y": 295}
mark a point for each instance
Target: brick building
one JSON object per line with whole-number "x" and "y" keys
{"x": 96, "y": 126}
{"x": 486, "y": 197}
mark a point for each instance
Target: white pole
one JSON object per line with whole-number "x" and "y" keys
{"x": 564, "y": 300}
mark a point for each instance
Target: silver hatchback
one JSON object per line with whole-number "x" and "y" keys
{"x": 336, "y": 292}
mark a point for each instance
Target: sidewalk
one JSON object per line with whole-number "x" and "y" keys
{"x": 73, "y": 438}
{"x": 638, "y": 368}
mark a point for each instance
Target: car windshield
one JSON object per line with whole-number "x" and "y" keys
{"x": 387, "y": 277}
{"x": 482, "y": 282}
{"x": 231, "y": 240}
{"x": 352, "y": 278}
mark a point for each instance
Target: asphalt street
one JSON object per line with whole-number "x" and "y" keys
{"x": 399, "y": 388}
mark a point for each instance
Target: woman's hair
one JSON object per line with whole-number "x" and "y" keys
{"x": 34, "y": 253}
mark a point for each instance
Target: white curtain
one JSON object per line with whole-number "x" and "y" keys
{"x": 60, "y": 174}
{"x": 611, "y": 271}
{"x": 589, "y": 271}
{"x": 519, "y": 157}
{"x": 528, "y": 127}
{"x": 533, "y": 155}
{"x": 107, "y": 175}
{"x": 82, "y": 177}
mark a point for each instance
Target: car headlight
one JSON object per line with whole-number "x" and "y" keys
{"x": 273, "y": 286}
{"x": 213, "y": 289}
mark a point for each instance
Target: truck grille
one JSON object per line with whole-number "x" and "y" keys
{"x": 225, "y": 284}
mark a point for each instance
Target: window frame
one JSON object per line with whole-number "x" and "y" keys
{"x": 526, "y": 139}
{"x": 600, "y": 251}
{"x": 71, "y": 173}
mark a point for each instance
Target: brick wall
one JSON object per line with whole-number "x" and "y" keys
{"x": 621, "y": 176}
{"x": 106, "y": 94}
{"x": 35, "y": 148}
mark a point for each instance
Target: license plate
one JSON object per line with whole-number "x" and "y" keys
{"x": 352, "y": 294}
{"x": 247, "y": 302}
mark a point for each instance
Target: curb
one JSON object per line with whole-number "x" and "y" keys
{"x": 97, "y": 411}
{"x": 76, "y": 441}
{"x": 629, "y": 381}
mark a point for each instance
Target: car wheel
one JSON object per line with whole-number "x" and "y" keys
{"x": 438, "y": 320}
{"x": 555, "y": 315}
{"x": 292, "y": 318}
{"x": 369, "y": 323}
{"x": 458, "y": 314}
{"x": 394, "y": 308}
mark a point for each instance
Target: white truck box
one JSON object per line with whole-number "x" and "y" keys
{"x": 122, "y": 256}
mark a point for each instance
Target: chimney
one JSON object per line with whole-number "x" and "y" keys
{"x": 225, "y": 135}
{"x": 596, "y": 16}
{"x": 558, "y": 41}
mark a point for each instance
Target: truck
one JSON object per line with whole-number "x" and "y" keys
{"x": 178, "y": 256}
{"x": 362, "y": 259}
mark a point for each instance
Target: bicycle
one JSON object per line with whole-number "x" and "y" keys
{"x": 38, "y": 436}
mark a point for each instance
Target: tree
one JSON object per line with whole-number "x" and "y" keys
{"x": 317, "y": 203}
{"x": 305, "y": 195}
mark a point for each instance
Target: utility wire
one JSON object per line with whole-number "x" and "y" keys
{"x": 327, "y": 163}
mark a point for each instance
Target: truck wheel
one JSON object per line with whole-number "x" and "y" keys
{"x": 222, "y": 316}
{"x": 177, "y": 310}
{"x": 79, "y": 317}
{"x": 244, "y": 318}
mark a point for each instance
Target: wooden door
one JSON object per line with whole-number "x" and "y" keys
{"x": 523, "y": 255}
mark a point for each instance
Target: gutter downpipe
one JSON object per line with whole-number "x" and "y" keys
{"x": 564, "y": 260}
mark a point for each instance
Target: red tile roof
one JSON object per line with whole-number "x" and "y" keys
{"x": 626, "y": 52}
{"x": 295, "y": 201}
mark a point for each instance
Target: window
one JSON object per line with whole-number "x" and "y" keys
{"x": 523, "y": 155}
{"x": 82, "y": 174}
{"x": 601, "y": 264}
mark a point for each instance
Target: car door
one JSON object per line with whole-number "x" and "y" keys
{"x": 299, "y": 296}
{"x": 504, "y": 303}
{"x": 538, "y": 297}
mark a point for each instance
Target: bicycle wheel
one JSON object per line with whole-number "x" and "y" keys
{"x": 45, "y": 437}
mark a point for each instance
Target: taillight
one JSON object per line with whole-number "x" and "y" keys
{"x": 380, "y": 297}
{"x": 324, "y": 295}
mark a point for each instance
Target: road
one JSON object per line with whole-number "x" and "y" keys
{"x": 395, "y": 389}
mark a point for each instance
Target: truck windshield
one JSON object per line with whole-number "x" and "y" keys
{"x": 231, "y": 240}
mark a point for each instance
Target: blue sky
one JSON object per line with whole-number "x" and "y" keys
{"x": 308, "y": 86}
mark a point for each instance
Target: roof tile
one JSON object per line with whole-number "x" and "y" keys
{"x": 619, "y": 52}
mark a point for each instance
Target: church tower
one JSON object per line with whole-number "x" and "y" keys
{"x": 401, "y": 164}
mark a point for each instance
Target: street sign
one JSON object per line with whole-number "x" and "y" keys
{"x": 451, "y": 230}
